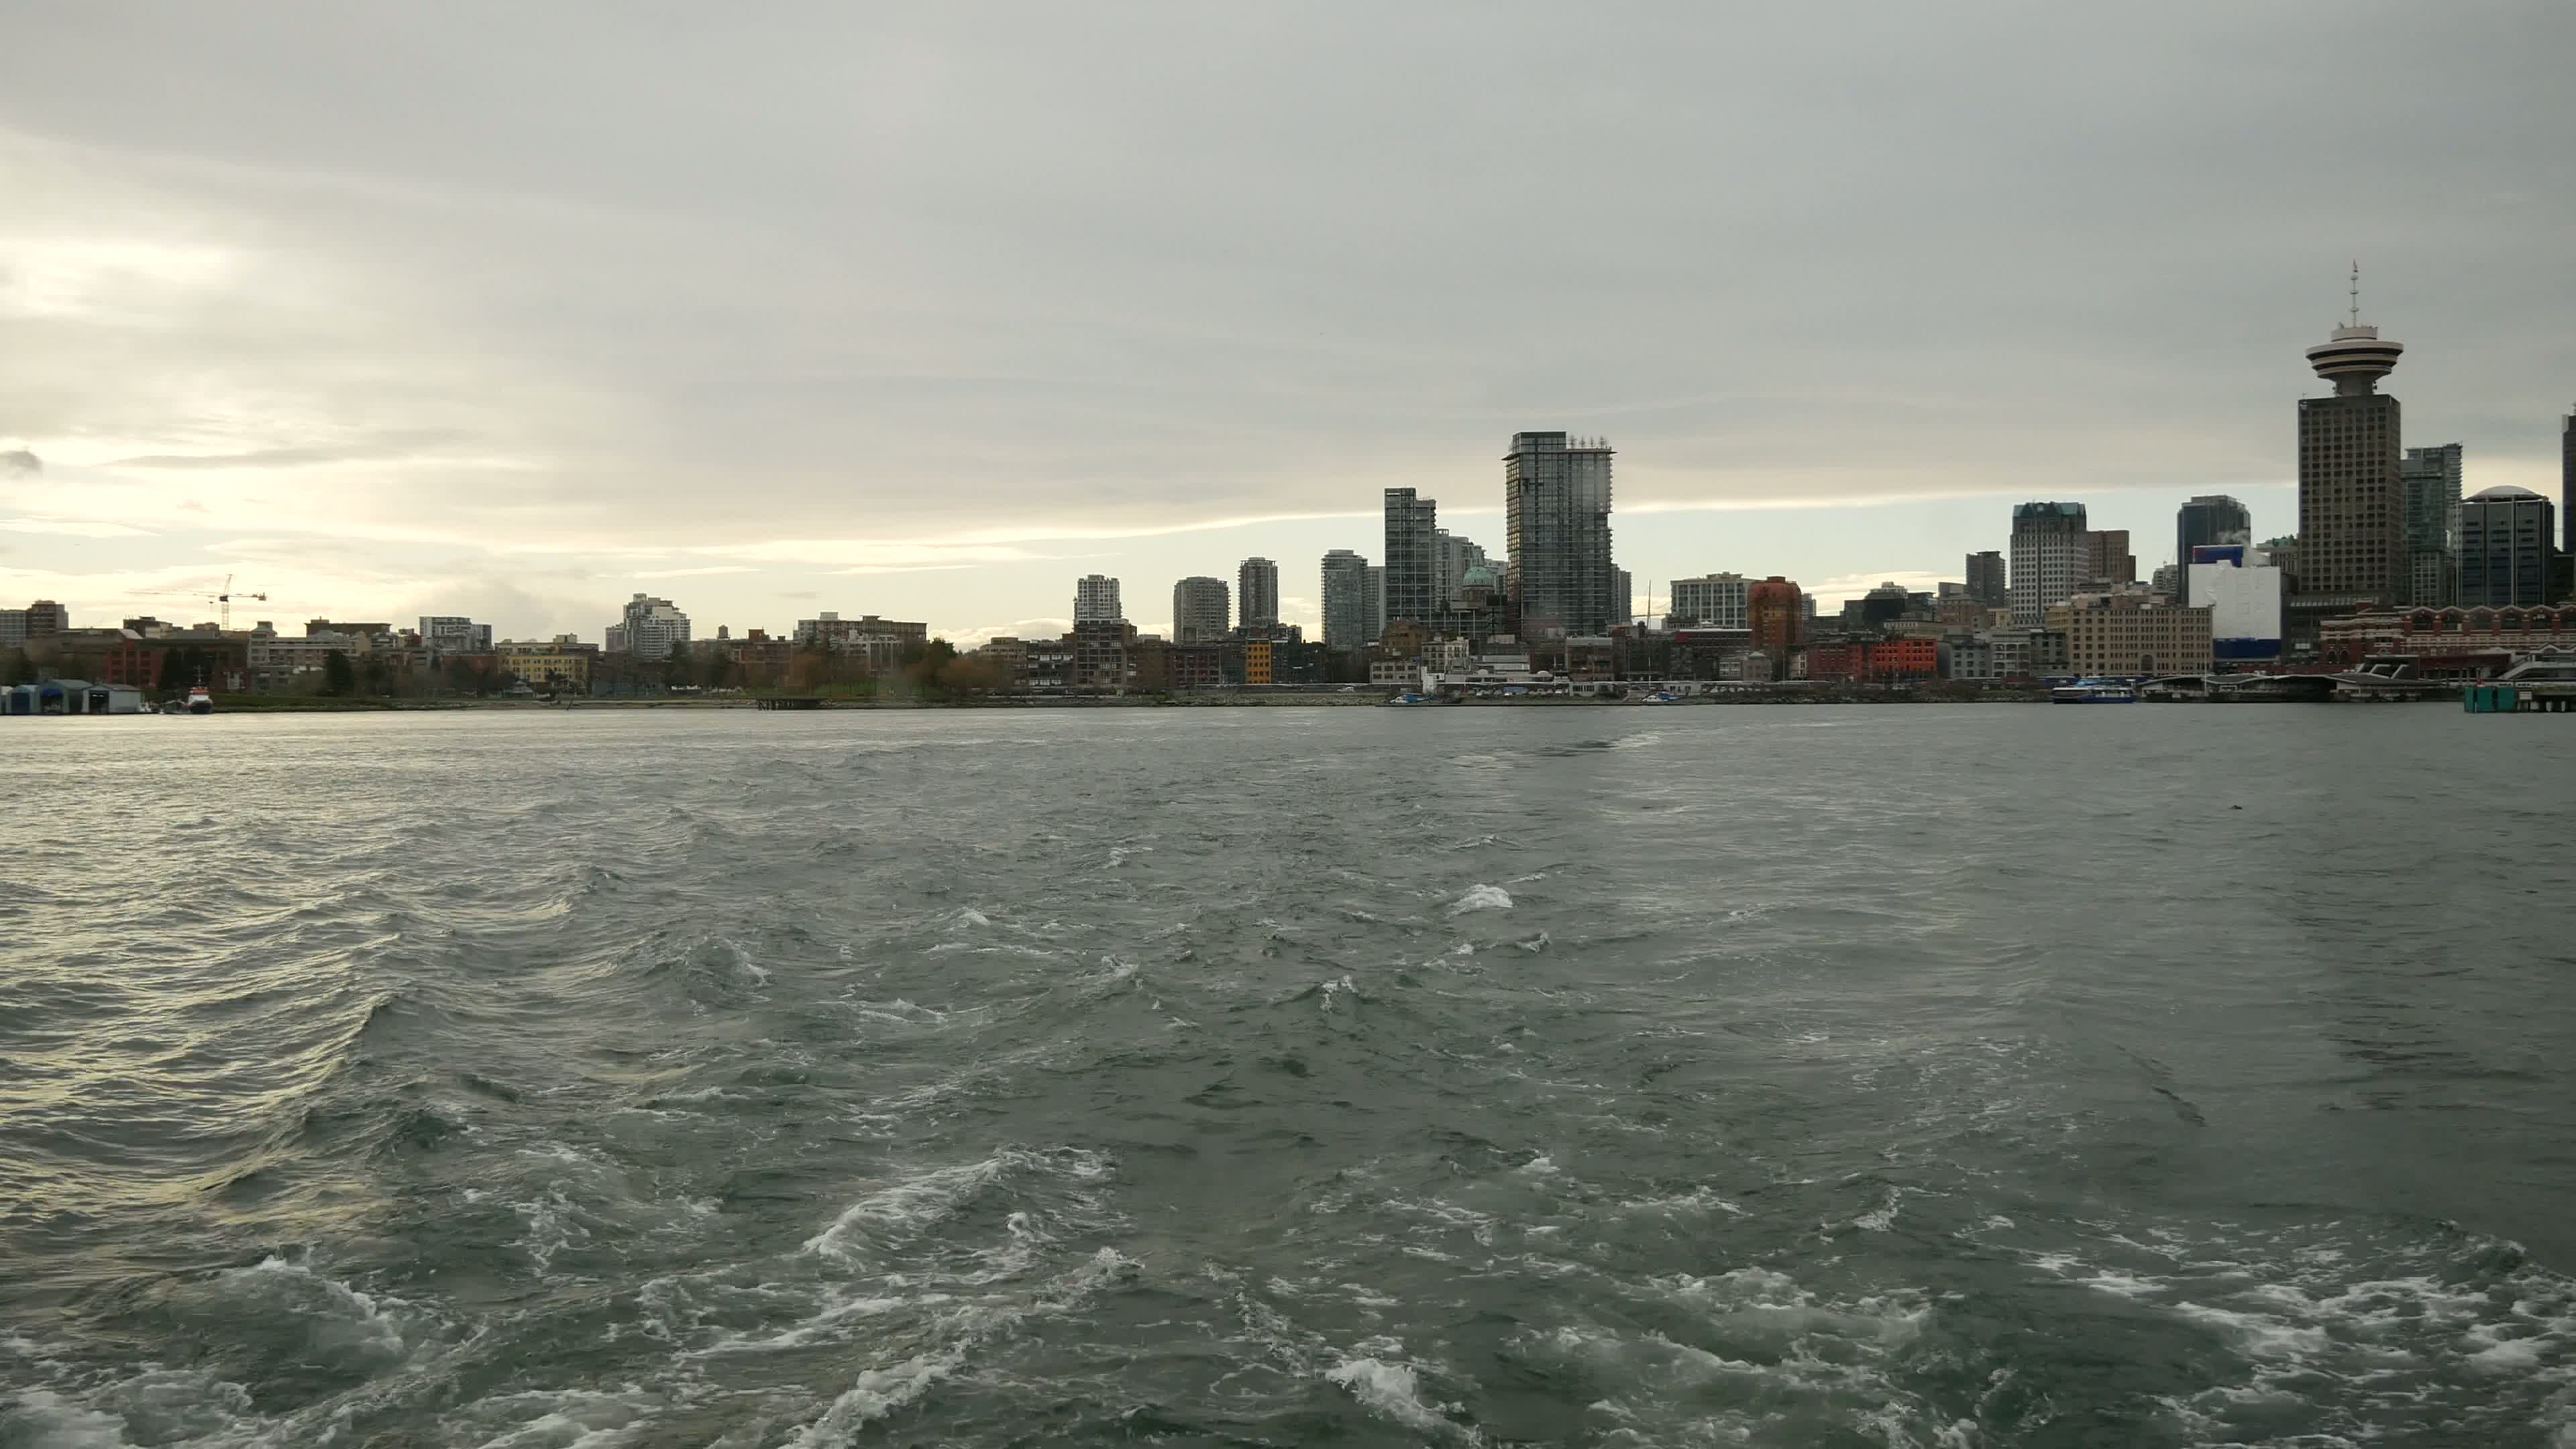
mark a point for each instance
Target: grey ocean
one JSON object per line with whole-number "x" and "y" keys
{"x": 1939, "y": 1076}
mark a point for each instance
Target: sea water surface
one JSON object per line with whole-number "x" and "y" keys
{"x": 1926, "y": 1075}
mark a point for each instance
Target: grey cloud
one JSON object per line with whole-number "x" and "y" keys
{"x": 1119, "y": 267}
{"x": 19, "y": 463}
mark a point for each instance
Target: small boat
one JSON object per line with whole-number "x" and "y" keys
{"x": 199, "y": 701}
{"x": 2094, "y": 691}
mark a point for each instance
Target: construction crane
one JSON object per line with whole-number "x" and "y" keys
{"x": 222, "y": 601}
{"x": 225, "y": 600}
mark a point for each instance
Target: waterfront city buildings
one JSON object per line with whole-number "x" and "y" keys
{"x": 1412, "y": 560}
{"x": 1716, "y": 601}
{"x": 2242, "y": 590}
{"x": 831, "y": 631}
{"x": 650, "y": 629}
{"x": 1556, "y": 501}
{"x": 2126, "y": 635}
{"x": 561, "y": 664}
{"x": 2507, "y": 540}
{"x": 38, "y": 620}
{"x": 2352, "y": 524}
{"x": 2567, "y": 483}
{"x": 1258, "y": 593}
{"x": 1775, "y": 612}
{"x": 1987, "y": 581}
{"x": 1199, "y": 606}
{"x": 1095, "y": 600}
{"x": 2428, "y": 484}
{"x": 2211, "y": 518}
{"x": 2107, "y": 557}
{"x": 2052, "y": 554}
{"x": 1345, "y": 594}
{"x": 454, "y": 634}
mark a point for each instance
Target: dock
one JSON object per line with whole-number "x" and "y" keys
{"x": 2519, "y": 699}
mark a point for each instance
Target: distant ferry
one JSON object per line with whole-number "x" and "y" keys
{"x": 2094, "y": 691}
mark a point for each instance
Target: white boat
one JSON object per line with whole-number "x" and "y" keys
{"x": 200, "y": 702}
{"x": 2094, "y": 691}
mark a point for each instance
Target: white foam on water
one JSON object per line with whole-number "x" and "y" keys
{"x": 1698, "y": 1199}
{"x": 877, "y": 1393}
{"x": 340, "y": 1317}
{"x": 2354, "y": 1335}
{"x": 969, "y": 916}
{"x": 1482, "y": 898}
{"x": 1539, "y": 1166}
{"x": 53, "y": 1422}
{"x": 1395, "y": 1390}
{"x": 1771, "y": 1362}
{"x": 1883, "y": 1217}
{"x": 911, "y": 1204}
{"x": 1333, "y": 988}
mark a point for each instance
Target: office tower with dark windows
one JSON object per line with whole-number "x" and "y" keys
{"x": 2352, "y": 517}
{"x": 1412, "y": 557}
{"x": 2567, "y": 483}
{"x": 1257, "y": 593}
{"x": 2507, "y": 540}
{"x": 1986, "y": 579}
{"x": 1345, "y": 593}
{"x": 2209, "y": 521}
{"x": 2052, "y": 554}
{"x": 1556, "y": 506}
{"x": 2428, "y": 485}
{"x": 1199, "y": 607}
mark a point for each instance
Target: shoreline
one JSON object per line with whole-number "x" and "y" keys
{"x": 1301, "y": 700}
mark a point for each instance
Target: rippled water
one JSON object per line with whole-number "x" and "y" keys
{"x": 1840, "y": 1076}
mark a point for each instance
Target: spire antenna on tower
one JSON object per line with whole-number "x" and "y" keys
{"x": 2356, "y": 294}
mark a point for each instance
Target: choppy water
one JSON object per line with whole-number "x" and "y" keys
{"x": 1916, "y": 1076}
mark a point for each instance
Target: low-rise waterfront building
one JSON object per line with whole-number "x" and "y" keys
{"x": 2470, "y": 639}
{"x": 562, "y": 663}
{"x": 2129, "y": 634}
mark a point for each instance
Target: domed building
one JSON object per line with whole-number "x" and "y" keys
{"x": 2506, "y": 548}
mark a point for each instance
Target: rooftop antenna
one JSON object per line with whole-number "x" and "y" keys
{"x": 2356, "y": 294}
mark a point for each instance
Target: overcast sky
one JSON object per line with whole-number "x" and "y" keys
{"x": 515, "y": 309}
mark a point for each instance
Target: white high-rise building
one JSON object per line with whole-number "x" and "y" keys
{"x": 1198, "y": 610}
{"x": 1258, "y": 592}
{"x": 454, "y": 634}
{"x": 2052, "y": 552}
{"x": 1714, "y": 601}
{"x": 651, "y": 629}
{"x": 1095, "y": 600}
{"x": 2241, "y": 588}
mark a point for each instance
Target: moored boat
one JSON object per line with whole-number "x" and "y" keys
{"x": 2094, "y": 691}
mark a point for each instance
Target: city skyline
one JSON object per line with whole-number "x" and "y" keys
{"x": 929, "y": 353}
